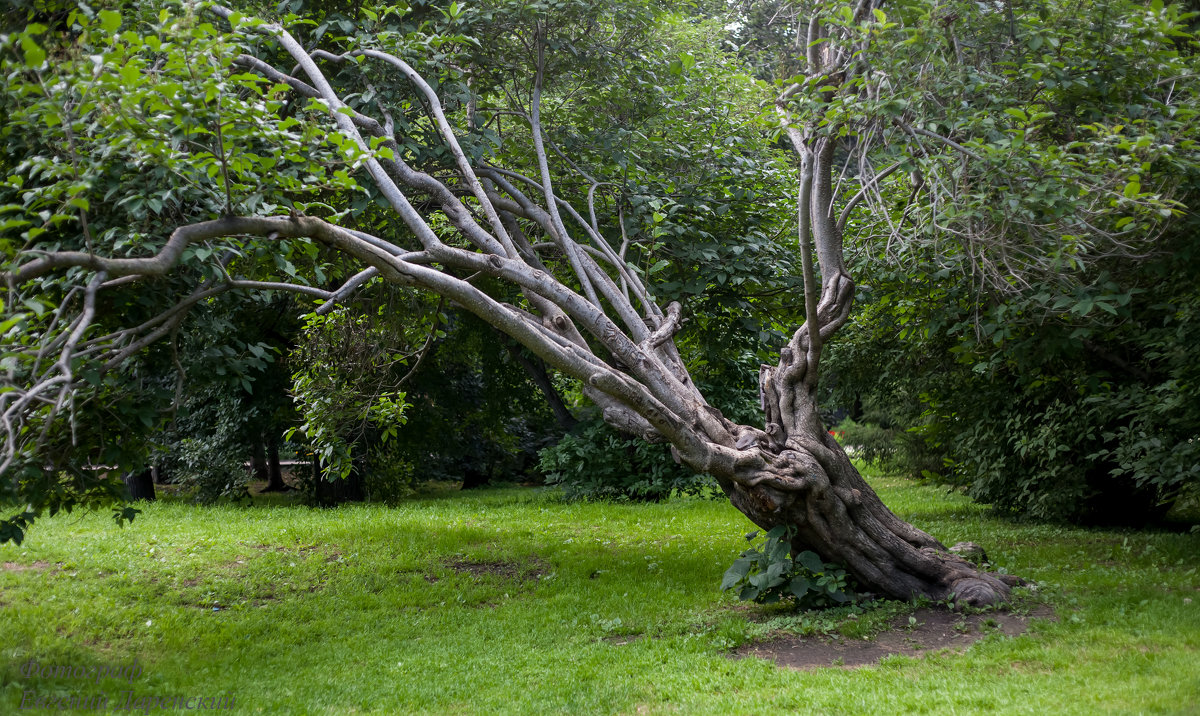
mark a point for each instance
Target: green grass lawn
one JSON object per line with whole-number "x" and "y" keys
{"x": 509, "y": 601}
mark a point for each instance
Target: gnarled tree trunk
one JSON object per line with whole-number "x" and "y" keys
{"x": 811, "y": 485}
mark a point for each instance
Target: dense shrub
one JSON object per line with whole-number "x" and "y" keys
{"x": 206, "y": 450}
{"x": 476, "y": 416}
{"x": 593, "y": 461}
{"x": 1092, "y": 415}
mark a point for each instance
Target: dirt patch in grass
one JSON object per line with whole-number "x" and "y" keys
{"x": 529, "y": 571}
{"x": 35, "y": 567}
{"x": 934, "y": 630}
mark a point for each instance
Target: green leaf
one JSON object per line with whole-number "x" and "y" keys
{"x": 736, "y": 573}
{"x": 109, "y": 21}
{"x": 6, "y": 325}
{"x": 799, "y": 587}
{"x": 36, "y": 306}
{"x": 811, "y": 562}
{"x": 35, "y": 56}
{"x": 777, "y": 551}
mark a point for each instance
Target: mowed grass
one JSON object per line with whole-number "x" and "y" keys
{"x": 510, "y": 601}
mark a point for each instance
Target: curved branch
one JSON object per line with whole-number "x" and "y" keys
{"x": 152, "y": 266}
{"x": 669, "y": 327}
{"x": 861, "y": 194}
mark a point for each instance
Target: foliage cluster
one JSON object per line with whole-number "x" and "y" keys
{"x": 594, "y": 461}
{"x": 1069, "y": 391}
{"x": 345, "y": 386}
{"x": 116, "y": 128}
{"x": 476, "y": 415}
{"x": 774, "y": 571}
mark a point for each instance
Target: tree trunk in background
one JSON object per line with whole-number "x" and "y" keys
{"x": 275, "y": 481}
{"x": 140, "y": 485}
{"x": 258, "y": 460}
{"x": 335, "y": 491}
{"x": 536, "y": 370}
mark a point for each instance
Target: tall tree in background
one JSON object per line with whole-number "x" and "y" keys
{"x": 1027, "y": 313}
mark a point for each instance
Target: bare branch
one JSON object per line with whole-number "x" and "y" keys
{"x": 669, "y": 327}
{"x": 861, "y": 194}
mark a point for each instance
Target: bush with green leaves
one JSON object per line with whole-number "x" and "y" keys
{"x": 388, "y": 477}
{"x": 378, "y": 472}
{"x": 476, "y": 416}
{"x": 594, "y": 461}
{"x": 212, "y": 466}
{"x": 1084, "y": 416}
{"x": 894, "y": 447}
{"x": 870, "y": 441}
{"x": 771, "y": 573}
{"x": 345, "y": 385}
{"x": 1065, "y": 386}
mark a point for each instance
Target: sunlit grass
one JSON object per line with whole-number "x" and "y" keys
{"x": 601, "y": 609}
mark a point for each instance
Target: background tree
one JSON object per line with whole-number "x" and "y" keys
{"x": 1044, "y": 363}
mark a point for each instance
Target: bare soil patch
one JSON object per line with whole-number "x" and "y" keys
{"x": 528, "y": 571}
{"x": 18, "y": 567}
{"x": 935, "y": 630}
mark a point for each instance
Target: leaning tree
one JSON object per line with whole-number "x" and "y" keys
{"x": 216, "y": 111}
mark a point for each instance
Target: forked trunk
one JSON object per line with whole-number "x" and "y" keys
{"x": 810, "y": 484}
{"x": 840, "y": 517}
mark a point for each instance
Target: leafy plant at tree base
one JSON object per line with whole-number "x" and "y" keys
{"x": 771, "y": 573}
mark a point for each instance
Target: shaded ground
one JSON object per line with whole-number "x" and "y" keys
{"x": 933, "y": 630}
